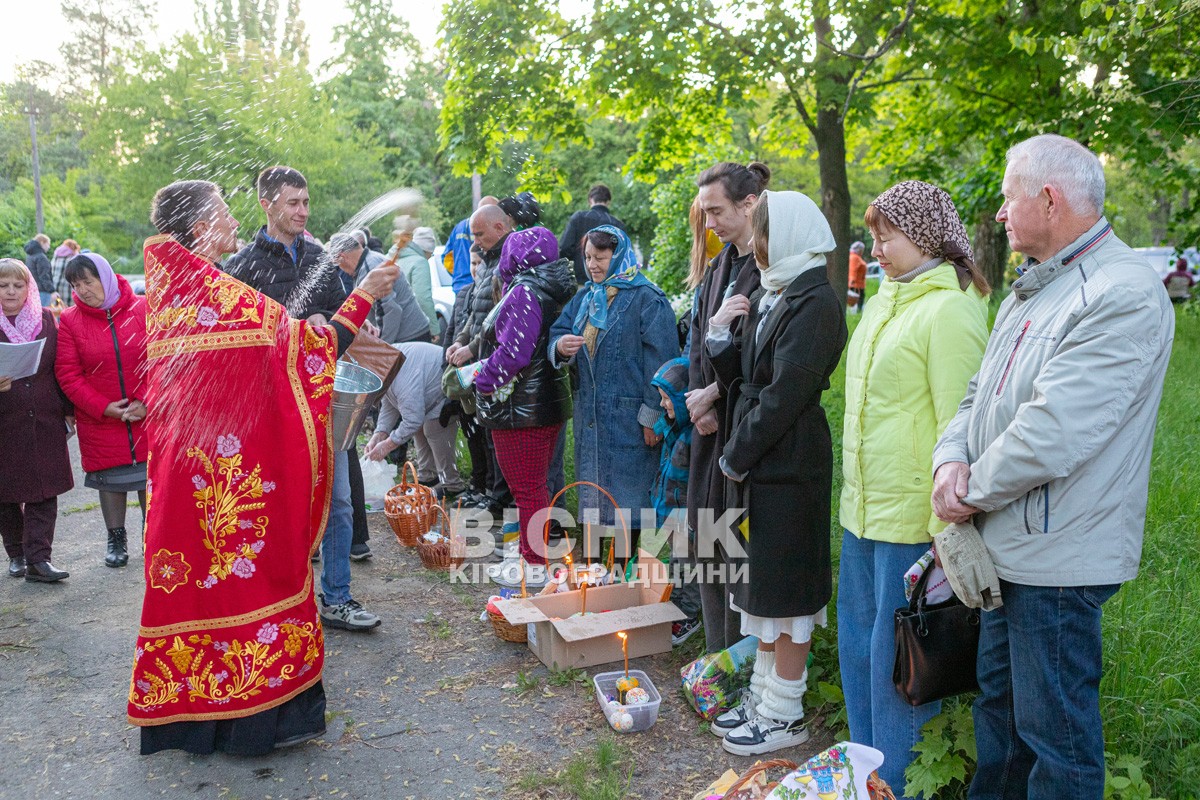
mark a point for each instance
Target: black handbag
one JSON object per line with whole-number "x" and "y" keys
{"x": 936, "y": 648}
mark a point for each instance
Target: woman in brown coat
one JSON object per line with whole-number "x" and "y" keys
{"x": 34, "y": 466}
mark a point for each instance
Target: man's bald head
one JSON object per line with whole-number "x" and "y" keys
{"x": 488, "y": 200}
{"x": 489, "y": 225}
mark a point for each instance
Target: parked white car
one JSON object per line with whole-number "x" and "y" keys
{"x": 874, "y": 271}
{"x": 1161, "y": 258}
{"x": 443, "y": 287}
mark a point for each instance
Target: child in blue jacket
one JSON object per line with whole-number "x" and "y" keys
{"x": 669, "y": 494}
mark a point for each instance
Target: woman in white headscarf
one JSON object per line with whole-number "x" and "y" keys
{"x": 779, "y": 460}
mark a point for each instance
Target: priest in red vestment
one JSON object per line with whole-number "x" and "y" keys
{"x": 230, "y": 648}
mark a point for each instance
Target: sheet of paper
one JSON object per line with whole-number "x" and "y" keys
{"x": 20, "y": 360}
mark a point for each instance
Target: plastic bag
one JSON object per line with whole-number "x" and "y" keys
{"x": 378, "y": 478}
{"x": 712, "y": 681}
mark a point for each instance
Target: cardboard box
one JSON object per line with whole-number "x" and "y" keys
{"x": 635, "y": 607}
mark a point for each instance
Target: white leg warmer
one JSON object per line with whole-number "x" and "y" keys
{"x": 784, "y": 700}
{"x": 764, "y": 668}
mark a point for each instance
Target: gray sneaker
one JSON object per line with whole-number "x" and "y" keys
{"x": 350, "y": 616}
{"x": 735, "y": 717}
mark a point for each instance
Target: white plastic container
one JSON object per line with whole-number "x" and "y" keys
{"x": 644, "y": 714}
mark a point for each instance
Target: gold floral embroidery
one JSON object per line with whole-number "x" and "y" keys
{"x": 169, "y": 317}
{"x": 242, "y": 671}
{"x": 222, "y": 498}
{"x": 228, "y": 293}
{"x": 320, "y": 367}
{"x": 158, "y": 686}
{"x": 168, "y": 570}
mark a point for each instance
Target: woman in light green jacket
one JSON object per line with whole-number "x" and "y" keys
{"x": 907, "y": 369}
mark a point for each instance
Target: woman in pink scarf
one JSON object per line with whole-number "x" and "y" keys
{"x": 34, "y": 466}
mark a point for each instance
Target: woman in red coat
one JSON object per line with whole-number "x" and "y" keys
{"x": 34, "y": 466}
{"x": 102, "y": 368}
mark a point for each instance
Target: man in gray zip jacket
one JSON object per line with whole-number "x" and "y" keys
{"x": 1049, "y": 454}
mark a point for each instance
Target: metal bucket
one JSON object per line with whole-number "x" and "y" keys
{"x": 353, "y": 387}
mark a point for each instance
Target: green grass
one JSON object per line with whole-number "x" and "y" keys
{"x": 527, "y": 682}
{"x": 573, "y": 676}
{"x": 605, "y": 773}
{"x": 1152, "y": 626}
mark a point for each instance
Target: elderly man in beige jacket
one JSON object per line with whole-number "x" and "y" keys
{"x": 1049, "y": 453}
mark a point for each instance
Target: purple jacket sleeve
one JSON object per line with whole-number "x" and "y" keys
{"x": 518, "y": 322}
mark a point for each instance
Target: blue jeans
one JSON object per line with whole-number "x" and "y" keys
{"x": 1037, "y": 719}
{"x": 870, "y": 589}
{"x": 339, "y": 531}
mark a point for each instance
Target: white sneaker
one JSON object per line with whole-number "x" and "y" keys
{"x": 764, "y": 735}
{"x": 735, "y": 717}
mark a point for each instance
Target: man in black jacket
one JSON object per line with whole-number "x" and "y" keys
{"x": 39, "y": 265}
{"x": 285, "y": 266}
{"x": 282, "y": 262}
{"x": 583, "y": 221}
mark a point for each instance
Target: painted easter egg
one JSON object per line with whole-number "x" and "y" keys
{"x": 637, "y": 696}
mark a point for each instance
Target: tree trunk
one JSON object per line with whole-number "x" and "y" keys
{"x": 830, "y": 137}
{"x": 991, "y": 249}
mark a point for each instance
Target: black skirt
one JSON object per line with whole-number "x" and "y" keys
{"x": 297, "y": 720}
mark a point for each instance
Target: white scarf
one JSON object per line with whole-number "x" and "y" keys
{"x": 798, "y": 240}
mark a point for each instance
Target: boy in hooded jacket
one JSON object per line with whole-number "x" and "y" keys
{"x": 669, "y": 493}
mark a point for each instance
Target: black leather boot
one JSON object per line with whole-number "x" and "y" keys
{"x": 118, "y": 548}
{"x": 16, "y": 567}
{"x": 44, "y": 572}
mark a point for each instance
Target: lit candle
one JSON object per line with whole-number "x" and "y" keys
{"x": 625, "y": 650}
{"x": 583, "y": 592}
{"x": 587, "y": 543}
{"x": 522, "y": 565}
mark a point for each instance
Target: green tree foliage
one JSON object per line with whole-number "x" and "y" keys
{"x": 980, "y": 77}
{"x": 64, "y": 212}
{"x": 198, "y": 110}
{"x": 103, "y": 30}
{"x": 381, "y": 81}
{"x": 683, "y": 67}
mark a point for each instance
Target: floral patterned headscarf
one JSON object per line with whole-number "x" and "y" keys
{"x": 28, "y": 324}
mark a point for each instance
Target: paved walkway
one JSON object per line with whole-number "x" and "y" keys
{"x": 426, "y": 706}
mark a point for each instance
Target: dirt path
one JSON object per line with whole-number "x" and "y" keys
{"x": 426, "y": 706}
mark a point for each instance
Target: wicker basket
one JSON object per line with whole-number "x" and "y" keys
{"x": 409, "y": 507}
{"x": 574, "y": 571}
{"x": 505, "y": 630}
{"x": 444, "y": 554}
{"x": 877, "y": 787}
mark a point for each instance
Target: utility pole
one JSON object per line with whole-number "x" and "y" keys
{"x": 476, "y": 189}
{"x": 31, "y": 110}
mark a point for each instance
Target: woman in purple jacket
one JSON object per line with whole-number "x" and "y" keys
{"x": 524, "y": 400}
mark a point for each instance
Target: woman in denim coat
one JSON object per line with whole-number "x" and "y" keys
{"x": 617, "y": 331}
